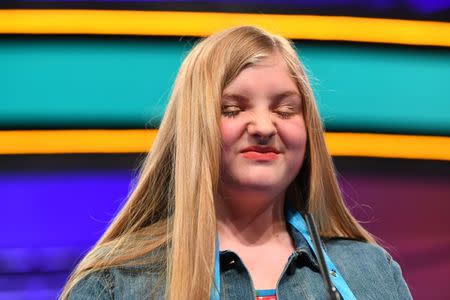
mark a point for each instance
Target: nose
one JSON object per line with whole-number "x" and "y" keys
{"x": 262, "y": 126}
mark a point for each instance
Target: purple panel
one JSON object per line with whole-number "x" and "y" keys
{"x": 59, "y": 209}
{"x": 438, "y": 10}
{"x": 419, "y": 6}
{"x": 429, "y": 6}
{"x": 410, "y": 215}
{"x": 50, "y": 218}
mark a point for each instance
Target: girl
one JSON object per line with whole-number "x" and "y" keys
{"x": 217, "y": 211}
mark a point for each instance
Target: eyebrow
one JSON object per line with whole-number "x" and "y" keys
{"x": 286, "y": 94}
{"x": 277, "y": 97}
{"x": 235, "y": 97}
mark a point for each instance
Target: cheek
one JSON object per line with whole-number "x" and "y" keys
{"x": 294, "y": 138}
{"x": 294, "y": 135}
{"x": 230, "y": 131}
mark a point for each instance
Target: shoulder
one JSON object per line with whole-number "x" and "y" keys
{"x": 354, "y": 249}
{"x": 122, "y": 282}
{"x": 362, "y": 253}
{"x": 366, "y": 266}
{"x": 357, "y": 256}
{"x": 95, "y": 285}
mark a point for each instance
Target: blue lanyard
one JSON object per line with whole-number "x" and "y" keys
{"x": 298, "y": 222}
{"x": 215, "y": 292}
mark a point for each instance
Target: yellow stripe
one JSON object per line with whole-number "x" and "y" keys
{"x": 389, "y": 145}
{"x": 140, "y": 140}
{"x": 75, "y": 141}
{"x": 155, "y": 23}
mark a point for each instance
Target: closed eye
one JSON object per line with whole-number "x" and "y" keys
{"x": 286, "y": 111}
{"x": 231, "y": 111}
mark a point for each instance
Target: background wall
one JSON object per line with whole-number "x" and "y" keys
{"x": 83, "y": 86}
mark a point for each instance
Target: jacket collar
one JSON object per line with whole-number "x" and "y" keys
{"x": 303, "y": 251}
{"x": 302, "y": 248}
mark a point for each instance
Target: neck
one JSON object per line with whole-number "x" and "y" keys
{"x": 250, "y": 218}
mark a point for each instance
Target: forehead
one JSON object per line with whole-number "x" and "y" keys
{"x": 269, "y": 74}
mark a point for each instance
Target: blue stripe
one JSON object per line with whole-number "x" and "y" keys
{"x": 265, "y": 293}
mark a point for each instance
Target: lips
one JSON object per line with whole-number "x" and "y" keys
{"x": 260, "y": 153}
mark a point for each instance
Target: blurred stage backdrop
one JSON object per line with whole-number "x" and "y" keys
{"x": 83, "y": 86}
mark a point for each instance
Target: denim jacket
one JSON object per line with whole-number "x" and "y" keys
{"x": 369, "y": 270}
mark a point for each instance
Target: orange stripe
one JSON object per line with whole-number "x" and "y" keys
{"x": 75, "y": 141}
{"x": 141, "y": 140}
{"x": 389, "y": 145}
{"x": 171, "y": 23}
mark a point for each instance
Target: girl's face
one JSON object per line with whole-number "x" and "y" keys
{"x": 262, "y": 128}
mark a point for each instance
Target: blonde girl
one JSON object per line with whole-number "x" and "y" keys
{"x": 239, "y": 155}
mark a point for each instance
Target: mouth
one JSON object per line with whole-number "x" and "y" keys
{"x": 260, "y": 153}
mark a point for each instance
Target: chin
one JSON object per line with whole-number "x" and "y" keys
{"x": 260, "y": 178}
{"x": 261, "y": 182}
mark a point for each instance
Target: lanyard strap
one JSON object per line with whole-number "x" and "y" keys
{"x": 298, "y": 222}
{"x": 215, "y": 292}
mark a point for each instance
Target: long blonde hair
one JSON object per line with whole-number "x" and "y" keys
{"x": 172, "y": 205}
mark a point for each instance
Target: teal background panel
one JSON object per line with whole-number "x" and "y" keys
{"x": 125, "y": 82}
